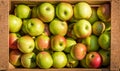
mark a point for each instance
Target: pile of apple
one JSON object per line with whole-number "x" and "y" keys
{"x": 60, "y": 35}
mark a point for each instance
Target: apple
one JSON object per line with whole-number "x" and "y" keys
{"x": 34, "y": 12}
{"x": 13, "y": 40}
{"x": 98, "y": 27}
{"x": 104, "y": 12}
{"x": 91, "y": 42}
{"x": 15, "y": 23}
{"x": 104, "y": 40}
{"x": 105, "y": 54}
{"x": 70, "y": 42}
{"x": 14, "y": 57}
{"x": 11, "y": 66}
{"x": 78, "y": 51}
{"x": 42, "y": 42}
{"x": 58, "y": 27}
{"x": 58, "y": 43}
{"x": 73, "y": 20}
{"x": 70, "y": 32}
{"x": 33, "y": 27}
{"x": 64, "y": 11}
{"x": 26, "y": 44}
{"x": 82, "y": 10}
{"x": 94, "y": 16}
{"x": 46, "y": 12}
{"x": 28, "y": 60}
{"x": 83, "y": 63}
{"x": 46, "y": 30}
{"x": 22, "y": 11}
{"x": 59, "y": 59}
{"x": 71, "y": 63}
{"x": 44, "y": 60}
{"x": 82, "y": 28}
{"x": 93, "y": 60}
{"x": 108, "y": 26}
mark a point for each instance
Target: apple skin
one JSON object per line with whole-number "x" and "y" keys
{"x": 46, "y": 30}
{"x": 104, "y": 40}
{"x": 91, "y": 42}
{"x": 83, "y": 63}
{"x": 28, "y": 60}
{"x": 82, "y": 28}
{"x": 14, "y": 57}
{"x": 58, "y": 27}
{"x": 78, "y": 51}
{"x": 13, "y": 40}
{"x": 59, "y": 59}
{"x": 33, "y": 27}
{"x": 58, "y": 43}
{"x": 26, "y": 44}
{"x": 82, "y": 10}
{"x": 93, "y": 60}
{"x": 64, "y": 11}
{"x": 70, "y": 32}
{"x": 94, "y": 16}
{"x": 105, "y": 54}
{"x": 70, "y": 42}
{"x": 34, "y": 12}
{"x": 46, "y": 12}
{"x": 71, "y": 63}
{"x": 104, "y": 12}
{"x": 15, "y": 23}
{"x": 98, "y": 27}
{"x": 44, "y": 60}
{"x": 42, "y": 42}
{"x": 22, "y": 11}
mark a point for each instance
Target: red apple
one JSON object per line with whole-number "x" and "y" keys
{"x": 13, "y": 40}
{"x": 58, "y": 43}
{"x": 42, "y": 42}
{"x": 14, "y": 57}
{"x": 93, "y": 60}
{"x": 78, "y": 51}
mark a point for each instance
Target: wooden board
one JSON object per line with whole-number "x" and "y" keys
{"x": 5, "y": 6}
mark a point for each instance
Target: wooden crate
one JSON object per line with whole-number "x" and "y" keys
{"x": 5, "y": 8}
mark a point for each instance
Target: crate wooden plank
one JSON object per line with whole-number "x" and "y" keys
{"x": 4, "y": 34}
{"x": 115, "y": 34}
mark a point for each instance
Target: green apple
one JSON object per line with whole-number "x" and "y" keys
{"x": 14, "y": 57}
{"x": 15, "y": 23}
{"x": 46, "y": 12}
{"x": 58, "y": 43}
{"x": 25, "y": 44}
{"x": 28, "y": 60}
{"x": 107, "y": 26}
{"x": 33, "y": 27}
{"x": 59, "y": 59}
{"x": 64, "y": 11}
{"x": 70, "y": 42}
{"x": 104, "y": 40}
{"x": 82, "y": 10}
{"x": 94, "y": 16}
{"x": 42, "y": 42}
{"x": 46, "y": 30}
{"x": 91, "y": 42}
{"x": 98, "y": 27}
{"x": 58, "y": 27}
{"x": 34, "y": 12}
{"x": 22, "y": 11}
{"x": 82, "y": 28}
{"x": 71, "y": 63}
{"x": 44, "y": 60}
{"x": 105, "y": 57}
{"x": 83, "y": 63}
{"x": 104, "y": 12}
{"x": 78, "y": 51}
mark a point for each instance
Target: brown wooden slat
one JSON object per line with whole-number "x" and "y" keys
{"x": 115, "y": 35}
{"x": 4, "y": 34}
